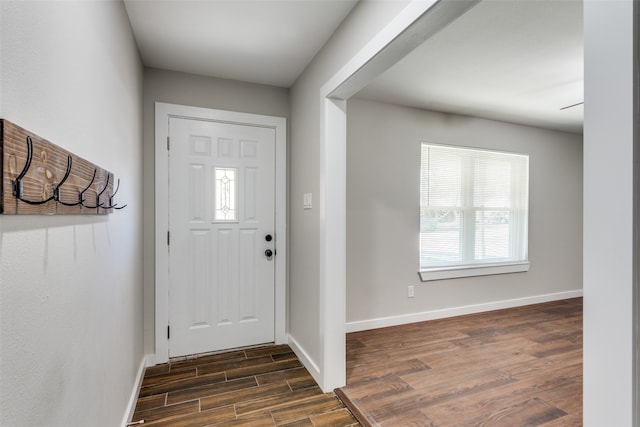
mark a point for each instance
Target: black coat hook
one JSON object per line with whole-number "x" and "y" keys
{"x": 81, "y": 194}
{"x": 17, "y": 183}
{"x": 113, "y": 205}
{"x": 56, "y": 190}
{"x": 99, "y": 194}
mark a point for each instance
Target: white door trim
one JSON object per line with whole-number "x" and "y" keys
{"x": 405, "y": 32}
{"x": 163, "y": 112}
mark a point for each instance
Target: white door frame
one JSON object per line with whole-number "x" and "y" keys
{"x": 163, "y": 112}
{"x": 410, "y": 28}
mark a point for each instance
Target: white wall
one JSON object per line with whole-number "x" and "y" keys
{"x": 305, "y": 328}
{"x": 383, "y": 170}
{"x": 71, "y": 286}
{"x": 608, "y": 185}
{"x": 198, "y": 91}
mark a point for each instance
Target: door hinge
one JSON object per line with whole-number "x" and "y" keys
{"x": 168, "y": 331}
{"x": 168, "y": 143}
{"x": 168, "y": 238}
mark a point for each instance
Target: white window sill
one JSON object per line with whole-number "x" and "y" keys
{"x": 441, "y": 273}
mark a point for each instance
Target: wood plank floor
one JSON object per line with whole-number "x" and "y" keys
{"x": 264, "y": 386}
{"x": 514, "y": 367}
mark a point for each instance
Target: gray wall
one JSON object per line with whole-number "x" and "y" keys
{"x": 383, "y": 170}
{"x": 365, "y": 21}
{"x": 197, "y": 91}
{"x": 71, "y": 286}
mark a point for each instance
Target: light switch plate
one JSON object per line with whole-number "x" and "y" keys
{"x": 307, "y": 201}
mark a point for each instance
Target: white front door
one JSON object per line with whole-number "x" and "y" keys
{"x": 222, "y": 235}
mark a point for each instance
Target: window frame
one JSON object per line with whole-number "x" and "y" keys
{"x": 468, "y": 212}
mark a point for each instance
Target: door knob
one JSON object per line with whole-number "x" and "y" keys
{"x": 268, "y": 253}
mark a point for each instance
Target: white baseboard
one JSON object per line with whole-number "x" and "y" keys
{"x": 308, "y": 363}
{"x": 131, "y": 406}
{"x": 383, "y": 322}
{"x": 153, "y": 359}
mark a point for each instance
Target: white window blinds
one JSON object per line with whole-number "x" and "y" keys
{"x": 473, "y": 207}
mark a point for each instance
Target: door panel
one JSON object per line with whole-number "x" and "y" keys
{"x": 221, "y": 195}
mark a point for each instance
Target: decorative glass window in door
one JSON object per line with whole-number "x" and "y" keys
{"x": 225, "y": 194}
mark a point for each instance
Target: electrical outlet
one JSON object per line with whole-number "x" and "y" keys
{"x": 410, "y": 291}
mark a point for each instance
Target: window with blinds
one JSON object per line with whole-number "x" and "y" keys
{"x": 473, "y": 207}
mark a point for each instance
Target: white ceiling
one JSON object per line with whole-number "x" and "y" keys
{"x": 519, "y": 61}
{"x": 259, "y": 41}
{"x": 511, "y": 60}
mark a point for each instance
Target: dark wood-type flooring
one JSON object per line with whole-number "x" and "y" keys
{"x": 514, "y": 367}
{"x": 265, "y": 386}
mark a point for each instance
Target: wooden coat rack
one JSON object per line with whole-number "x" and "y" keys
{"x": 40, "y": 178}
